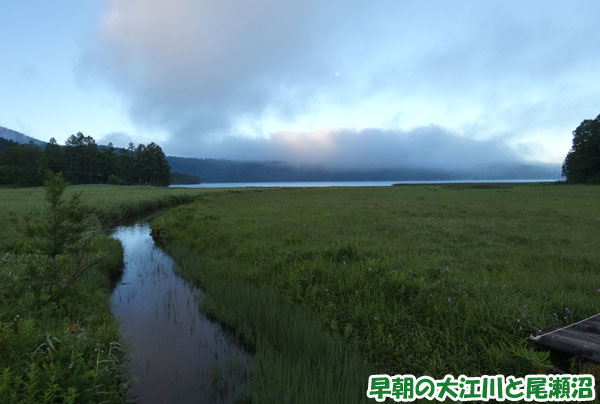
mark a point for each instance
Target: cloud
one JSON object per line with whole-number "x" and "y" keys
{"x": 188, "y": 64}
{"x": 118, "y": 139}
{"x": 427, "y": 147}
{"x": 511, "y": 72}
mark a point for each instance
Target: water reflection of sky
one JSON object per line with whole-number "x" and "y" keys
{"x": 305, "y": 184}
{"x": 176, "y": 353}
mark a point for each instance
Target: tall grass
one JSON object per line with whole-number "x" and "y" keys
{"x": 295, "y": 361}
{"x": 109, "y": 202}
{"x": 426, "y": 280}
{"x": 66, "y": 350}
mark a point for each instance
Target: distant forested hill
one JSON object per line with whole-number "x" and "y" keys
{"x": 18, "y": 137}
{"x": 213, "y": 170}
{"x": 134, "y": 166}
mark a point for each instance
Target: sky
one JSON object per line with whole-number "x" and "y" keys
{"x": 350, "y": 83}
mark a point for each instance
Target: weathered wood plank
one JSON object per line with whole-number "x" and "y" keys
{"x": 575, "y": 334}
{"x": 592, "y": 327}
{"x": 576, "y": 340}
{"x": 590, "y": 324}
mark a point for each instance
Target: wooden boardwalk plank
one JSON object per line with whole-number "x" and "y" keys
{"x": 581, "y": 339}
{"x": 589, "y": 327}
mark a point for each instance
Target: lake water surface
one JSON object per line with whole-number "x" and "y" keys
{"x": 350, "y": 183}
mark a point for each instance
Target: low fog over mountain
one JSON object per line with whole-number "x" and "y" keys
{"x": 369, "y": 155}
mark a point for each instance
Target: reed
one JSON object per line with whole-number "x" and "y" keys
{"x": 428, "y": 280}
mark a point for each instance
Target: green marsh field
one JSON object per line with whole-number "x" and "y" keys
{"x": 328, "y": 285}
{"x": 109, "y": 202}
{"x": 324, "y": 286}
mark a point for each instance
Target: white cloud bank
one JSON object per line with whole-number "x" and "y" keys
{"x": 423, "y": 148}
{"x": 521, "y": 75}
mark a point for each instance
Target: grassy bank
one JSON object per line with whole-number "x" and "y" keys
{"x": 295, "y": 361}
{"x": 109, "y": 202}
{"x": 65, "y": 349}
{"x": 428, "y": 280}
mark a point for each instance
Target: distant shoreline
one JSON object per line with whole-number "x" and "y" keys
{"x": 306, "y": 184}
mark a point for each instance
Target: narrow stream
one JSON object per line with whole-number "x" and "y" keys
{"x": 175, "y": 354}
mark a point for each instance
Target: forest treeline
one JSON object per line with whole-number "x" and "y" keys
{"x": 582, "y": 164}
{"x": 82, "y": 161}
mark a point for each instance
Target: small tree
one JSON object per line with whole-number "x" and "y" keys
{"x": 582, "y": 163}
{"x": 113, "y": 180}
{"x": 65, "y": 234}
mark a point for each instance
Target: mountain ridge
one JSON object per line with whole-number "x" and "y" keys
{"x": 224, "y": 170}
{"x": 19, "y": 137}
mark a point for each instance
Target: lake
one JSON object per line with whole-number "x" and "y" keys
{"x": 350, "y": 183}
